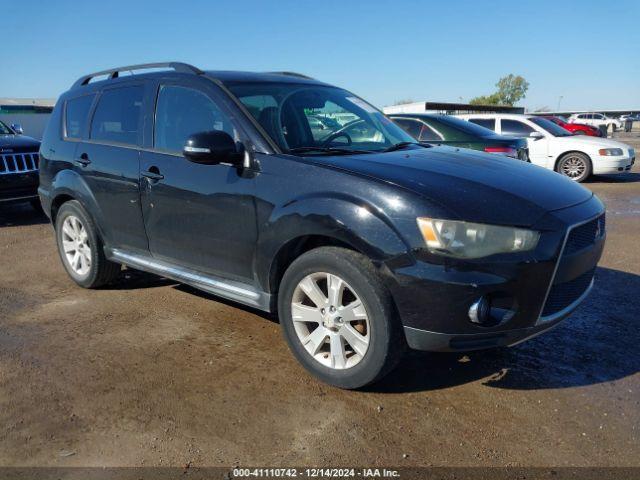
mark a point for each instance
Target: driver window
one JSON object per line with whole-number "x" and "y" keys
{"x": 181, "y": 112}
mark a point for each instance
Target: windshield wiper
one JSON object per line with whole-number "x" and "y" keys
{"x": 401, "y": 145}
{"x": 327, "y": 150}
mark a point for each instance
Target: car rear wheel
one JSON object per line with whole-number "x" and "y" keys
{"x": 81, "y": 249}
{"x": 579, "y": 132}
{"x": 574, "y": 165}
{"x": 338, "y": 318}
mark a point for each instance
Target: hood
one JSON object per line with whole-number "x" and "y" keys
{"x": 595, "y": 141}
{"x": 18, "y": 143}
{"x": 472, "y": 186}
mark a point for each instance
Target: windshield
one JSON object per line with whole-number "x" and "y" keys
{"x": 4, "y": 130}
{"x": 301, "y": 118}
{"x": 464, "y": 126}
{"x": 549, "y": 126}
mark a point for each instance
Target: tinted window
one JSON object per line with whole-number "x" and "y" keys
{"x": 117, "y": 116}
{"x": 75, "y": 115}
{"x": 515, "y": 128}
{"x": 427, "y": 134}
{"x": 412, "y": 127}
{"x": 489, "y": 123}
{"x": 181, "y": 112}
{"x": 470, "y": 128}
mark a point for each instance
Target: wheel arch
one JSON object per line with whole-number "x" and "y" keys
{"x": 336, "y": 221}
{"x": 563, "y": 154}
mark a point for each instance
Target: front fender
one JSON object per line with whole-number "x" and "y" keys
{"x": 338, "y": 216}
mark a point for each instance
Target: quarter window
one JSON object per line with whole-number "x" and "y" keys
{"x": 75, "y": 115}
{"x": 181, "y": 112}
{"x": 427, "y": 134}
{"x": 412, "y": 127}
{"x": 515, "y": 128}
{"x": 118, "y": 115}
{"x": 489, "y": 123}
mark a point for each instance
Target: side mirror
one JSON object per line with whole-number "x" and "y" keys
{"x": 536, "y": 135}
{"x": 211, "y": 148}
{"x": 16, "y": 127}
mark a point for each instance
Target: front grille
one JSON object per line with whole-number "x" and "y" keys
{"x": 11, "y": 163}
{"x": 585, "y": 235}
{"x": 564, "y": 294}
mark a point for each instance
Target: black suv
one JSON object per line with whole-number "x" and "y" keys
{"x": 362, "y": 240}
{"x": 18, "y": 166}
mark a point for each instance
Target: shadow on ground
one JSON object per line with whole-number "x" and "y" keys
{"x": 598, "y": 343}
{"x": 20, "y": 214}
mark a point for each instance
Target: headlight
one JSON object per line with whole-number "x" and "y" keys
{"x": 474, "y": 240}
{"x": 613, "y": 152}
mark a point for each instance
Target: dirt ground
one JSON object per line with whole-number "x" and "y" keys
{"x": 151, "y": 373}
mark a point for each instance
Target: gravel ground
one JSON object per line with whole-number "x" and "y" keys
{"x": 151, "y": 373}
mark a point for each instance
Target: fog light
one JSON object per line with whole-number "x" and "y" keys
{"x": 479, "y": 311}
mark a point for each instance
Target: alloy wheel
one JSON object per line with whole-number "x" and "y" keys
{"x": 75, "y": 244}
{"x": 573, "y": 167}
{"x": 330, "y": 320}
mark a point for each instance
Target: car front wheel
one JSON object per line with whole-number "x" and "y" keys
{"x": 338, "y": 318}
{"x": 575, "y": 165}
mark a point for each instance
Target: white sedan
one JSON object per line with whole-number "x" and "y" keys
{"x": 553, "y": 147}
{"x": 596, "y": 120}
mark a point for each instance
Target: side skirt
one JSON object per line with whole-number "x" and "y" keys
{"x": 236, "y": 291}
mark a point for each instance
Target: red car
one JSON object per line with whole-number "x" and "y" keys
{"x": 575, "y": 128}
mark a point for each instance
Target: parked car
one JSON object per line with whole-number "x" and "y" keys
{"x": 18, "y": 166}
{"x": 575, "y": 128}
{"x": 552, "y": 147}
{"x": 596, "y": 120}
{"x": 451, "y": 131}
{"x": 630, "y": 116}
{"x": 362, "y": 247}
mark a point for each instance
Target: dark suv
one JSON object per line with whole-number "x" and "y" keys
{"x": 362, "y": 240}
{"x": 18, "y": 166}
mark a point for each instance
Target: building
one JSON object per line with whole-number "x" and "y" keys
{"x": 32, "y": 114}
{"x": 449, "y": 108}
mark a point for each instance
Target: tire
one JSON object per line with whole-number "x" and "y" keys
{"x": 76, "y": 232}
{"x": 574, "y": 165}
{"x": 579, "y": 132}
{"x": 379, "y": 340}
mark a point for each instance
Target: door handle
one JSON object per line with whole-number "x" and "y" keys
{"x": 152, "y": 174}
{"x": 83, "y": 160}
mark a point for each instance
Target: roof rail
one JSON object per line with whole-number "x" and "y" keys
{"x": 114, "y": 72}
{"x": 293, "y": 74}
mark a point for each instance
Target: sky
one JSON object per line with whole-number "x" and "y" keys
{"x": 587, "y": 52}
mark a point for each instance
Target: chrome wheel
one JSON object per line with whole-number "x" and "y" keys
{"x": 573, "y": 167}
{"x": 75, "y": 245}
{"x": 330, "y": 320}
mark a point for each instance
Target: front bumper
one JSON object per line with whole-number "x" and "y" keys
{"x": 607, "y": 165}
{"x": 18, "y": 187}
{"x": 525, "y": 291}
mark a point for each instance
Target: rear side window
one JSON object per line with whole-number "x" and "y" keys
{"x": 75, "y": 115}
{"x": 515, "y": 128}
{"x": 489, "y": 123}
{"x": 181, "y": 112}
{"x": 117, "y": 116}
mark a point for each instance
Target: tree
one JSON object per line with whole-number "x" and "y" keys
{"x": 511, "y": 89}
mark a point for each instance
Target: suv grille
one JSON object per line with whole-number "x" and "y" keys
{"x": 585, "y": 235}
{"x": 18, "y": 163}
{"x": 564, "y": 294}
